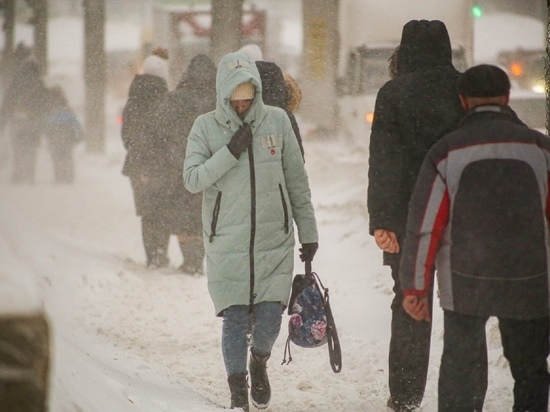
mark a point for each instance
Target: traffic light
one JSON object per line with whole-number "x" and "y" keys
{"x": 477, "y": 12}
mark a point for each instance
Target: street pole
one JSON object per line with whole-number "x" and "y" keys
{"x": 94, "y": 74}
{"x": 319, "y": 65}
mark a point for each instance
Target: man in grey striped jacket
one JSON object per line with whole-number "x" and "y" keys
{"x": 480, "y": 213}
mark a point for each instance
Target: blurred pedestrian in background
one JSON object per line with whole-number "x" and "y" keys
{"x": 145, "y": 161}
{"x": 193, "y": 96}
{"x": 276, "y": 92}
{"x": 23, "y": 109}
{"x": 63, "y": 131}
{"x": 253, "y": 51}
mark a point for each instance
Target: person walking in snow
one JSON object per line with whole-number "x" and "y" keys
{"x": 145, "y": 159}
{"x": 479, "y": 212}
{"x": 245, "y": 159}
{"x": 412, "y": 112}
{"x": 193, "y": 96}
{"x": 63, "y": 131}
{"x": 23, "y": 108}
{"x": 276, "y": 92}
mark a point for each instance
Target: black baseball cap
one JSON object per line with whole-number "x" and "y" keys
{"x": 484, "y": 80}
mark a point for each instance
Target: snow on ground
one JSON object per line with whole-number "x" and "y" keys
{"x": 129, "y": 339}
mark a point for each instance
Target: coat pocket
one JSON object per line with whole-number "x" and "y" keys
{"x": 215, "y": 214}
{"x": 285, "y": 207}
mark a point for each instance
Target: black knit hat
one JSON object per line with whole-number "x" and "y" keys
{"x": 484, "y": 80}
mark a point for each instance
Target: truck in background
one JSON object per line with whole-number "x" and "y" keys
{"x": 370, "y": 30}
{"x": 521, "y": 51}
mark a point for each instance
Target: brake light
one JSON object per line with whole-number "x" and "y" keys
{"x": 516, "y": 69}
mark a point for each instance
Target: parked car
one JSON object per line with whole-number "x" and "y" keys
{"x": 525, "y": 67}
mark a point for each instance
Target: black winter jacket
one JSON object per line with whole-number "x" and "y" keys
{"x": 25, "y": 103}
{"x": 145, "y": 153}
{"x": 194, "y": 95}
{"x": 139, "y": 118}
{"x": 275, "y": 93}
{"x": 412, "y": 112}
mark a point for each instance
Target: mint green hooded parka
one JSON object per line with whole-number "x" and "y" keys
{"x": 249, "y": 204}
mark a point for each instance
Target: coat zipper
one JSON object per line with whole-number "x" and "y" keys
{"x": 285, "y": 207}
{"x": 215, "y": 215}
{"x": 252, "y": 224}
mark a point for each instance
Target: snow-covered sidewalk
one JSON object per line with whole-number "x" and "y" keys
{"x": 129, "y": 339}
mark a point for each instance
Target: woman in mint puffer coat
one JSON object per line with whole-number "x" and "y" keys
{"x": 245, "y": 159}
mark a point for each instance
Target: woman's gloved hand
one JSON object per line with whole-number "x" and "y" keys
{"x": 307, "y": 251}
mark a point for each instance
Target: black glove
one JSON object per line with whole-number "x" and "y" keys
{"x": 240, "y": 140}
{"x": 308, "y": 251}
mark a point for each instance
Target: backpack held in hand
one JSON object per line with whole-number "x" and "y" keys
{"x": 311, "y": 323}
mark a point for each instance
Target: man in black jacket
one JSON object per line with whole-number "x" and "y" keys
{"x": 412, "y": 112}
{"x": 480, "y": 211}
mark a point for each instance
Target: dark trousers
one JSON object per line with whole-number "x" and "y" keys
{"x": 156, "y": 238}
{"x": 25, "y": 147}
{"x": 409, "y": 352}
{"x": 463, "y": 372}
{"x": 63, "y": 162}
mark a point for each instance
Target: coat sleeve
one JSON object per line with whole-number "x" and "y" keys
{"x": 428, "y": 217}
{"x": 385, "y": 162}
{"x": 201, "y": 167}
{"x": 297, "y": 185}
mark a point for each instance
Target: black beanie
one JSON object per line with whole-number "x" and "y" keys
{"x": 484, "y": 80}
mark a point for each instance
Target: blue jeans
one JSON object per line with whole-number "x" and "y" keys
{"x": 266, "y": 325}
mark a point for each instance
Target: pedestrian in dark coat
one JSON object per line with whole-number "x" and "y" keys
{"x": 145, "y": 160}
{"x": 23, "y": 108}
{"x": 194, "y": 95}
{"x": 277, "y": 93}
{"x": 480, "y": 212}
{"x": 412, "y": 112}
{"x": 63, "y": 131}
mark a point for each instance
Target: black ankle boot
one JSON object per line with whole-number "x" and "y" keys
{"x": 239, "y": 391}
{"x": 260, "y": 391}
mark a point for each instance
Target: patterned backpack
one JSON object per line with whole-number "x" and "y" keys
{"x": 311, "y": 323}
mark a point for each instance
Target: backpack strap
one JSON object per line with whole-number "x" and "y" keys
{"x": 334, "y": 349}
{"x": 287, "y": 349}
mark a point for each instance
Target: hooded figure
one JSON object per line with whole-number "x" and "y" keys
{"x": 193, "y": 96}
{"x": 412, "y": 111}
{"x": 24, "y": 107}
{"x": 276, "y": 92}
{"x": 249, "y": 167}
{"x": 144, "y": 163}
